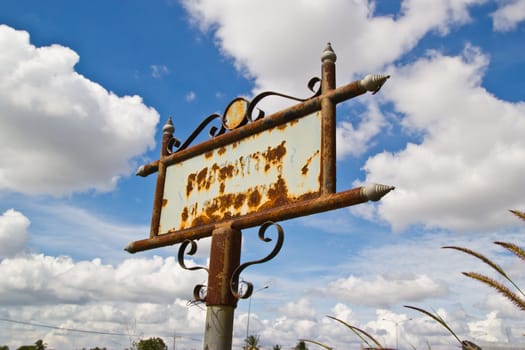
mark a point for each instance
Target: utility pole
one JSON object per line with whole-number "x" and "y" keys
{"x": 250, "y": 309}
{"x": 175, "y": 336}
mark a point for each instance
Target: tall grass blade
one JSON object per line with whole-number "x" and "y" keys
{"x": 519, "y": 252}
{"x": 480, "y": 257}
{"x": 437, "y": 318}
{"x": 513, "y": 297}
{"x": 468, "y": 345}
{"x": 513, "y": 248}
{"x": 357, "y": 331}
{"x": 518, "y": 213}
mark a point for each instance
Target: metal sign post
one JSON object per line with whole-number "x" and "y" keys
{"x": 255, "y": 170}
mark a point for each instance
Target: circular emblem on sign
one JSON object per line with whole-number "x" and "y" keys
{"x": 235, "y": 114}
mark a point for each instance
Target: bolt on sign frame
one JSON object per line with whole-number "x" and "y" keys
{"x": 254, "y": 170}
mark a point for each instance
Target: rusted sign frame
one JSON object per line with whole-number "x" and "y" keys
{"x": 324, "y": 101}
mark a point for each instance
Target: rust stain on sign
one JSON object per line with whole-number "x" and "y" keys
{"x": 274, "y": 168}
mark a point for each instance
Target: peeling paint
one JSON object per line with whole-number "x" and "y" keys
{"x": 274, "y": 168}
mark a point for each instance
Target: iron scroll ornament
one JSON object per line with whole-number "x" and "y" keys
{"x": 235, "y": 290}
{"x": 175, "y": 145}
{"x": 199, "y": 292}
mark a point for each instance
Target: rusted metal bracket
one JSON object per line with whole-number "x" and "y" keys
{"x": 199, "y": 292}
{"x": 247, "y": 292}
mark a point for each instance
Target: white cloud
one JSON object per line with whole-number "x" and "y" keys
{"x": 302, "y": 309}
{"x": 282, "y": 53}
{"x": 13, "y": 233}
{"x": 465, "y": 172}
{"x": 43, "y": 280}
{"x": 130, "y": 321}
{"x": 190, "y": 96}
{"x": 371, "y": 291}
{"x": 88, "y": 294}
{"x": 59, "y": 131}
{"x": 509, "y": 15}
{"x": 492, "y": 323}
{"x": 355, "y": 141}
{"x": 159, "y": 70}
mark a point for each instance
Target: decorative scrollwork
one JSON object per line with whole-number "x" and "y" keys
{"x": 199, "y": 292}
{"x": 214, "y": 131}
{"x": 192, "y": 251}
{"x": 236, "y": 106}
{"x": 311, "y": 86}
{"x": 248, "y": 290}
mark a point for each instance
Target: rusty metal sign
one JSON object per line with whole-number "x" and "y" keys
{"x": 254, "y": 168}
{"x": 278, "y": 166}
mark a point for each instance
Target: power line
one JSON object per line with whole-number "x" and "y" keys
{"x": 82, "y": 330}
{"x": 61, "y": 328}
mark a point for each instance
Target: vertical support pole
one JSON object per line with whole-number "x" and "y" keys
{"x": 225, "y": 256}
{"x": 167, "y": 135}
{"x": 328, "y": 123}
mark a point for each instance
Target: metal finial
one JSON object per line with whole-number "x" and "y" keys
{"x": 168, "y": 127}
{"x": 373, "y": 82}
{"x": 140, "y": 172}
{"x": 375, "y": 192}
{"x": 328, "y": 54}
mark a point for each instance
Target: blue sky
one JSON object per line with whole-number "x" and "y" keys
{"x": 85, "y": 88}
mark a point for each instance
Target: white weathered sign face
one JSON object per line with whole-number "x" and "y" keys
{"x": 278, "y": 166}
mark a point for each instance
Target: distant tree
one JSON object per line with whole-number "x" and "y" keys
{"x": 152, "y": 344}
{"x": 276, "y": 347}
{"x": 301, "y": 345}
{"x": 97, "y": 348}
{"x": 4, "y": 347}
{"x": 40, "y": 345}
{"x": 251, "y": 343}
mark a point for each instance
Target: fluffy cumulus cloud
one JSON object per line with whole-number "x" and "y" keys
{"x": 356, "y": 140}
{"x": 13, "y": 233}
{"x": 509, "y": 15}
{"x": 465, "y": 171}
{"x": 43, "y": 280}
{"x": 112, "y": 325}
{"x": 130, "y": 299}
{"x": 301, "y": 309}
{"x": 385, "y": 290}
{"x": 278, "y": 42}
{"x": 59, "y": 131}
{"x": 139, "y": 294}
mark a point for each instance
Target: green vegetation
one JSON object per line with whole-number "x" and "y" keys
{"x": 151, "y": 344}
{"x": 251, "y": 343}
{"x": 301, "y": 345}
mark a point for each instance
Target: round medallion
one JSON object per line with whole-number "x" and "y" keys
{"x": 235, "y": 114}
